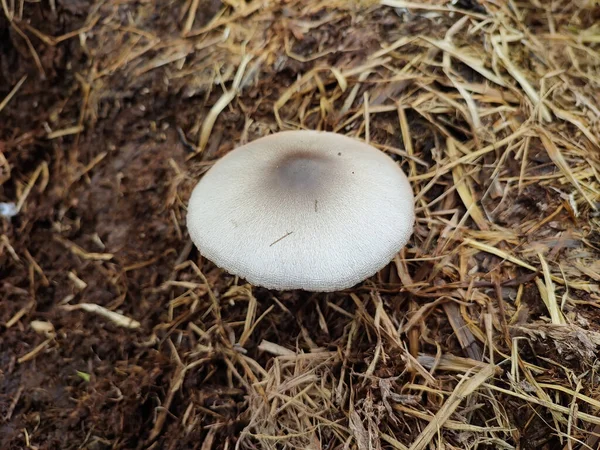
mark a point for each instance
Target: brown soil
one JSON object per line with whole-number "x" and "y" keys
{"x": 102, "y": 145}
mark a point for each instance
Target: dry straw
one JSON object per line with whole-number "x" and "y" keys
{"x": 484, "y": 333}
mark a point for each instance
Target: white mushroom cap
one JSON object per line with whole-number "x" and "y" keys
{"x": 308, "y": 210}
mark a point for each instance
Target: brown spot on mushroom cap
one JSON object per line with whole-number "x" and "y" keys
{"x": 302, "y": 171}
{"x": 268, "y": 188}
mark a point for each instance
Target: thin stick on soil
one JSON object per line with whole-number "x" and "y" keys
{"x": 12, "y": 93}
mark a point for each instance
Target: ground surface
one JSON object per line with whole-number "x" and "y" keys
{"x": 486, "y": 327}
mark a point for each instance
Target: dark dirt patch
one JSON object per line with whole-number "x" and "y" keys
{"x": 100, "y": 143}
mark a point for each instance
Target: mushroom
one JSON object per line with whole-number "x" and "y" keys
{"x": 309, "y": 210}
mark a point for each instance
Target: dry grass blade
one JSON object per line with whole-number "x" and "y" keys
{"x": 558, "y": 159}
{"x": 12, "y": 93}
{"x": 35, "y": 352}
{"x": 448, "y": 424}
{"x": 473, "y": 62}
{"x": 41, "y": 170}
{"x": 470, "y": 157}
{"x": 465, "y": 189}
{"x": 189, "y": 23}
{"x": 465, "y": 388}
{"x": 500, "y": 253}
{"x": 569, "y": 117}
{"x": 116, "y": 318}
{"x": 275, "y": 349}
{"x": 427, "y": 7}
{"x": 65, "y": 132}
{"x": 31, "y": 48}
{"x": 520, "y": 78}
{"x": 593, "y": 419}
{"x": 84, "y": 254}
{"x": 549, "y": 294}
{"x": 221, "y": 104}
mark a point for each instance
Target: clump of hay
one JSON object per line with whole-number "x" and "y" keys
{"x": 483, "y": 333}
